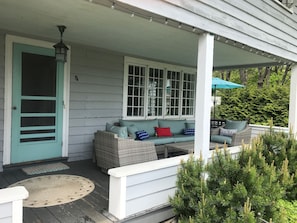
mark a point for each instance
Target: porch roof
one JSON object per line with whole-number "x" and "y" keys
{"x": 96, "y": 24}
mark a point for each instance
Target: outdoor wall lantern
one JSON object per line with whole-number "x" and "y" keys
{"x": 61, "y": 48}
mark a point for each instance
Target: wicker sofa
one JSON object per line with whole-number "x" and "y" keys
{"x": 112, "y": 151}
{"x": 233, "y": 133}
{"x": 177, "y": 128}
{"x": 118, "y": 145}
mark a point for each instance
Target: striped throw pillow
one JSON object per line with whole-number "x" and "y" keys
{"x": 189, "y": 131}
{"x": 141, "y": 135}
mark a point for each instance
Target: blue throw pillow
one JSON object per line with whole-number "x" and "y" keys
{"x": 239, "y": 125}
{"x": 189, "y": 131}
{"x": 141, "y": 135}
{"x": 122, "y": 132}
{"x": 190, "y": 125}
{"x": 132, "y": 129}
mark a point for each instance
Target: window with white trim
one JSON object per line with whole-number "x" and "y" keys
{"x": 158, "y": 90}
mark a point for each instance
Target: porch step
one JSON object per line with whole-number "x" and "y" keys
{"x": 33, "y": 163}
{"x": 162, "y": 214}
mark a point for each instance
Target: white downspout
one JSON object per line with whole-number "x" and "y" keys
{"x": 203, "y": 94}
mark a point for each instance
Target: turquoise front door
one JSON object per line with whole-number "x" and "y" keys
{"x": 37, "y": 104}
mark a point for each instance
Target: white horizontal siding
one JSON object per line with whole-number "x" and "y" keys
{"x": 6, "y": 212}
{"x": 150, "y": 189}
{"x": 144, "y": 187}
{"x": 96, "y": 89}
{"x": 11, "y": 204}
{"x": 154, "y": 175}
{"x": 146, "y": 202}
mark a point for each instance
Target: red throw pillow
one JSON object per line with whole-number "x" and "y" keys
{"x": 164, "y": 131}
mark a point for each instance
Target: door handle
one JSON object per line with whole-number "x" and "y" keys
{"x": 14, "y": 107}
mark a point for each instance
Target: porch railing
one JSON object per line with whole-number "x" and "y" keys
{"x": 11, "y": 204}
{"x": 141, "y": 188}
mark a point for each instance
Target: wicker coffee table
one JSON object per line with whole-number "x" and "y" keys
{"x": 187, "y": 147}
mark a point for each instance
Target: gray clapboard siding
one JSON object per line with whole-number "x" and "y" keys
{"x": 252, "y": 20}
{"x": 264, "y": 25}
{"x": 270, "y": 21}
{"x": 96, "y": 92}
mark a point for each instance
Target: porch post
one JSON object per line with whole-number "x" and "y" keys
{"x": 203, "y": 94}
{"x": 293, "y": 101}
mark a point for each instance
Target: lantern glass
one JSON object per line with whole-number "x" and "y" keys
{"x": 61, "y": 52}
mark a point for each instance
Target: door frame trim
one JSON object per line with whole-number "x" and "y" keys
{"x": 9, "y": 40}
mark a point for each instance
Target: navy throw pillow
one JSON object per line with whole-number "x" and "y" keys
{"x": 189, "y": 131}
{"x": 141, "y": 135}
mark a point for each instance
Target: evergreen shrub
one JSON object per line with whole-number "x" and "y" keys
{"x": 230, "y": 189}
{"x": 290, "y": 210}
{"x": 280, "y": 147}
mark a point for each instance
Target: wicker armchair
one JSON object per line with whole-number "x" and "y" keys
{"x": 234, "y": 139}
{"x": 112, "y": 151}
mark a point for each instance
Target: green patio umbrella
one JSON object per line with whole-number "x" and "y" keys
{"x": 218, "y": 83}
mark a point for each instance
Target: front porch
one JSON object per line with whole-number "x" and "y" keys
{"x": 88, "y": 209}
{"x": 95, "y": 206}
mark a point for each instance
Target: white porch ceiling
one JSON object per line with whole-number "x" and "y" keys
{"x": 100, "y": 26}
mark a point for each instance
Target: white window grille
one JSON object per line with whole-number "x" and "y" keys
{"x": 172, "y": 93}
{"x": 136, "y": 90}
{"x": 157, "y": 90}
{"x": 188, "y": 97}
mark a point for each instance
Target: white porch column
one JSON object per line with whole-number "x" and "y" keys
{"x": 293, "y": 101}
{"x": 203, "y": 94}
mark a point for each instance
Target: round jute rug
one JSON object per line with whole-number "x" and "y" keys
{"x": 50, "y": 190}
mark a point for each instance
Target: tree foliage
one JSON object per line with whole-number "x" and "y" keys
{"x": 265, "y": 95}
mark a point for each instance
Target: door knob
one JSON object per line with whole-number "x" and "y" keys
{"x": 14, "y": 107}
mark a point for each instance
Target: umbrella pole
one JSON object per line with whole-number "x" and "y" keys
{"x": 214, "y": 103}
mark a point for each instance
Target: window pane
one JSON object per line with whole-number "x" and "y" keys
{"x": 38, "y": 106}
{"x": 38, "y": 70}
{"x": 37, "y": 121}
{"x": 172, "y": 93}
{"x": 136, "y": 89}
{"x": 188, "y": 94}
{"x": 155, "y": 93}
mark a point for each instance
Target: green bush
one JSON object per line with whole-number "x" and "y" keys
{"x": 279, "y": 147}
{"x": 290, "y": 210}
{"x": 258, "y": 105}
{"x": 232, "y": 190}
